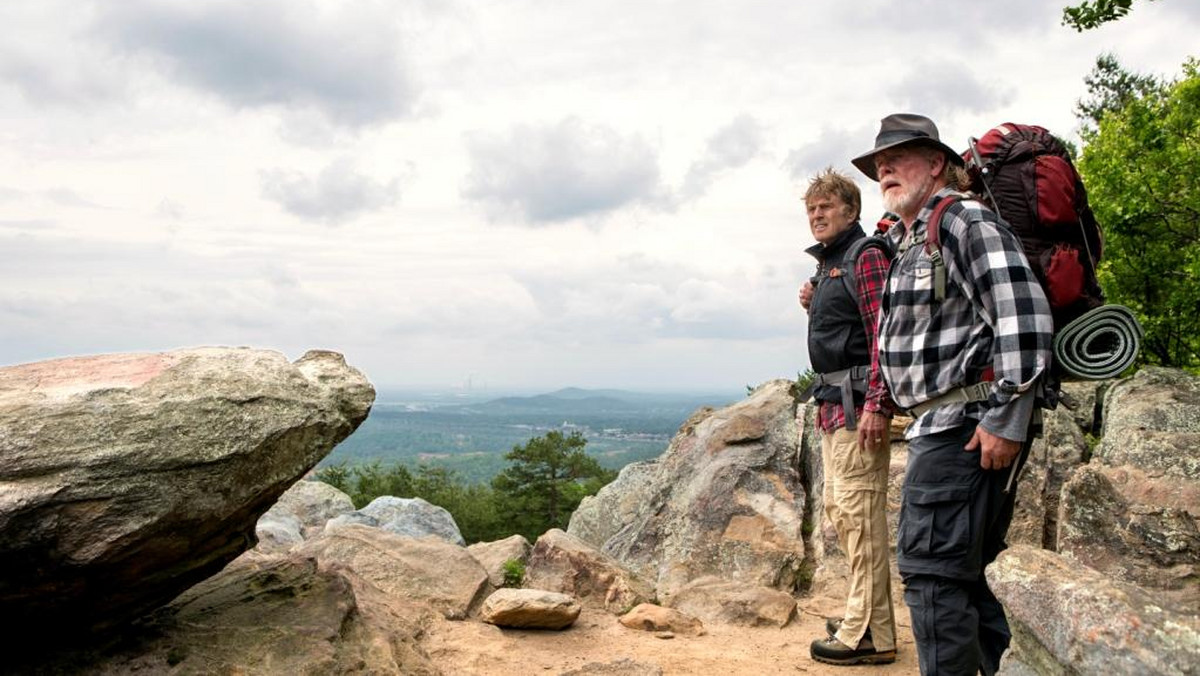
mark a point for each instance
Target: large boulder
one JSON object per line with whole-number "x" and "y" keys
{"x": 265, "y": 615}
{"x": 129, "y": 478}
{"x": 725, "y": 499}
{"x": 410, "y": 517}
{"x": 1132, "y": 512}
{"x": 313, "y": 504}
{"x": 300, "y": 513}
{"x": 719, "y": 601}
{"x": 1067, "y": 618}
{"x": 563, "y": 563}
{"x": 428, "y": 570}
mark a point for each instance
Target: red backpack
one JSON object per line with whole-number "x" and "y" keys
{"x": 1025, "y": 174}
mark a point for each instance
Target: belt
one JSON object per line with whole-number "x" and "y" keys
{"x": 959, "y": 395}
{"x": 851, "y": 380}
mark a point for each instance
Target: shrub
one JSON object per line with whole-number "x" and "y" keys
{"x": 514, "y": 573}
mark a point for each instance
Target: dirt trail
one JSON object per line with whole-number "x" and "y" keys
{"x": 478, "y": 649}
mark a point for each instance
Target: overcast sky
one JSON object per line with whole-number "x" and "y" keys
{"x": 511, "y": 193}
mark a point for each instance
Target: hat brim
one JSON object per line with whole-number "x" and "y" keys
{"x": 866, "y": 162}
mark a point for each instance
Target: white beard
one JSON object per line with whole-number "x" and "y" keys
{"x": 908, "y": 201}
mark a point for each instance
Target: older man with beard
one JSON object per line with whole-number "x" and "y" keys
{"x": 964, "y": 345}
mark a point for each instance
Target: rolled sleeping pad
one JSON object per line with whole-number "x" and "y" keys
{"x": 1100, "y": 344}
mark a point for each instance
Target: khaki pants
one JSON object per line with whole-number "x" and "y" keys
{"x": 856, "y": 503}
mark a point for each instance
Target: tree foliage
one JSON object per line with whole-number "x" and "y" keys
{"x": 547, "y": 479}
{"x": 1141, "y": 164}
{"x": 1110, "y": 88}
{"x": 1092, "y": 13}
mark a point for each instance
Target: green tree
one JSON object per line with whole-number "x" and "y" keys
{"x": 1092, "y": 13}
{"x": 337, "y": 476}
{"x": 1110, "y": 87}
{"x": 1141, "y": 165}
{"x": 547, "y": 479}
{"x": 367, "y": 482}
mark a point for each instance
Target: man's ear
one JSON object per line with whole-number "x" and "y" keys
{"x": 937, "y": 162}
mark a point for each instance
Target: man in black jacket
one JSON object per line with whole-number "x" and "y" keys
{"x": 852, "y": 416}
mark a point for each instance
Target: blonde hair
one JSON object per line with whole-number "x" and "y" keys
{"x": 832, "y": 183}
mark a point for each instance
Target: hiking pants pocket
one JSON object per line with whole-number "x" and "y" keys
{"x": 935, "y": 521}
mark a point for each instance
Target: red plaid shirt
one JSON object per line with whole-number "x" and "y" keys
{"x": 871, "y": 270}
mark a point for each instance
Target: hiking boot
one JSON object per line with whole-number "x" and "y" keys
{"x": 832, "y": 651}
{"x": 833, "y": 624}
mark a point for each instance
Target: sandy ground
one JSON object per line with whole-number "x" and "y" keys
{"x": 475, "y": 648}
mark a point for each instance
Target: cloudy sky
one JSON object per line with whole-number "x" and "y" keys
{"x": 510, "y": 193}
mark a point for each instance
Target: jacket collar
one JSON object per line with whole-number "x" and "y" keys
{"x": 821, "y": 251}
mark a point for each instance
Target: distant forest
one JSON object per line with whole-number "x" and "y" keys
{"x": 471, "y": 437}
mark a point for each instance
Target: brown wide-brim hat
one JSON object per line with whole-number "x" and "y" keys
{"x": 900, "y": 129}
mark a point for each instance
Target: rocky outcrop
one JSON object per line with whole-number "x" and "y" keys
{"x": 530, "y": 609}
{"x": 129, "y": 478}
{"x": 493, "y": 555}
{"x": 1132, "y": 512}
{"x": 1053, "y": 459}
{"x": 718, "y": 601}
{"x": 429, "y": 570}
{"x": 410, "y": 517}
{"x": 725, "y": 499}
{"x": 266, "y": 615}
{"x": 1069, "y": 618}
{"x": 600, "y": 517}
{"x": 563, "y": 563}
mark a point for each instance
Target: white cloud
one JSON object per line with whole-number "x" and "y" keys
{"x": 955, "y": 89}
{"x": 830, "y": 147}
{"x": 336, "y": 194}
{"x": 730, "y": 148}
{"x": 555, "y": 173}
{"x": 347, "y": 62}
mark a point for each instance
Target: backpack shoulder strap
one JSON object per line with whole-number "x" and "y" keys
{"x": 850, "y": 273}
{"x": 933, "y": 245}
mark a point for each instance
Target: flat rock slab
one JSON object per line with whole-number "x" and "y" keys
{"x": 127, "y": 479}
{"x": 428, "y": 570}
{"x": 530, "y": 609}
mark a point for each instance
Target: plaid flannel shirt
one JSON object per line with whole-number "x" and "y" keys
{"x": 871, "y": 272}
{"x": 995, "y": 314}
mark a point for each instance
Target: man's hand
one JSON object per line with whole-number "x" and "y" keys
{"x": 806, "y": 294}
{"x": 994, "y": 452}
{"x": 872, "y": 428}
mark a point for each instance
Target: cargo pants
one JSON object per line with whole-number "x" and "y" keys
{"x": 855, "y": 497}
{"x": 954, "y": 516}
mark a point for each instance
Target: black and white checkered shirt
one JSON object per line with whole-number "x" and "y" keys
{"x": 994, "y": 314}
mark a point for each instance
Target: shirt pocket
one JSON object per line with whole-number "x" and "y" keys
{"x": 913, "y": 283}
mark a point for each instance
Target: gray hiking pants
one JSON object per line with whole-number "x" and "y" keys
{"x": 954, "y": 516}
